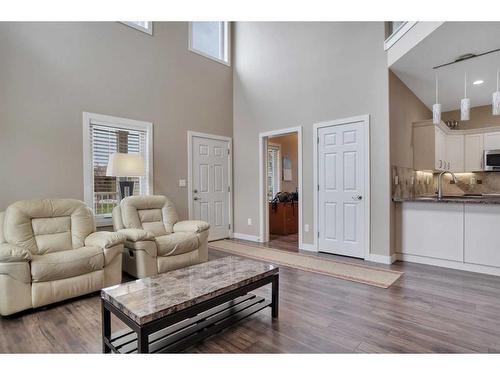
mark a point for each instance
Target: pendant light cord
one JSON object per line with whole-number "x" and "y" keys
{"x": 465, "y": 85}
{"x": 437, "y": 86}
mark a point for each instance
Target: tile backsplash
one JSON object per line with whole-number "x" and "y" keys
{"x": 407, "y": 183}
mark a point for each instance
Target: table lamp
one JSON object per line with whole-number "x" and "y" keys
{"x": 125, "y": 165}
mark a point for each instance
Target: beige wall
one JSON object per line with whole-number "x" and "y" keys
{"x": 289, "y": 149}
{"x": 480, "y": 117}
{"x": 297, "y": 74}
{"x": 404, "y": 109}
{"x": 51, "y": 72}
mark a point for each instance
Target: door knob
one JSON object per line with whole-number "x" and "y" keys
{"x": 196, "y": 198}
{"x": 357, "y": 197}
{"x": 195, "y": 191}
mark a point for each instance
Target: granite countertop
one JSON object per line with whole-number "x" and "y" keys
{"x": 476, "y": 199}
{"x": 147, "y": 299}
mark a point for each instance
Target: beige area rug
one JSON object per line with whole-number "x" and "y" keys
{"x": 379, "y": 277}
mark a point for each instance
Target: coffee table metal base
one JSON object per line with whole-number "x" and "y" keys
{"x": 178, "y": 331}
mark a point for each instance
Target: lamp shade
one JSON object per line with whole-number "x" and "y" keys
{"x": 125, "y": 165}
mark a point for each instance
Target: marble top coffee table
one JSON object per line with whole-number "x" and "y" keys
{"x": 171, "y": 311}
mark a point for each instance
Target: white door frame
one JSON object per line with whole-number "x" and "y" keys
{"x": 366, "y": 120}
{"x": 190, "y": 135}
{"x": 263, "y": 204}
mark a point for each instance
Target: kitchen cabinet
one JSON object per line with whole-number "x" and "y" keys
{"x": 454, "y": 152}
{"x": 432, "y": 230}
{"x": 283, "y": 218}
{"x": 492, "y": 141}
{"x": 482, "y": 245}
{"x": 455, "y": 235}
{"x": 429, "y": 148}
{"x": 473, "y": 153}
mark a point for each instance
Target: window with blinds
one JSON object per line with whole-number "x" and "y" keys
{"x": 273, "y": 171}
{"x": 104, "y": 139}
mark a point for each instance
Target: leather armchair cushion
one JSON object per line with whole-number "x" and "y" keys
{"x": 2, "y": 238}
{"x": 12, "y": 253}
{"x": 105, "y": 240}
{"x": 134, "y": 235}
{"x": 194, "y": 226}
{"x": 27, "y": 220}
{"x": 147, "y": 246}
{"x": 177, "y": 243}
{"x": 155, "y": 213}
{"x": 19, "y": 271}
{"x": 65, "y": 264}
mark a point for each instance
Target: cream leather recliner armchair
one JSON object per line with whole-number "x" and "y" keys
{"x": 50, "y": 251}
{"x": 156, "y": 241}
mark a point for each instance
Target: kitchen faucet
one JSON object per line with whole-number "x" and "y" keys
{"x": 440, "y": 182}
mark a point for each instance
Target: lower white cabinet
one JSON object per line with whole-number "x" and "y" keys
{"x": 456, "y": 235}
{"x": 433, "y": 230}
{"x": 482, "y": 226}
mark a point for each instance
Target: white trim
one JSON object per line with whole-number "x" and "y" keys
{"x": 366, "y": 120}
{"x": 384, "y": 259}
{"x": 246, "y": 237}
{"x": 190, "y": 135}
{"x": 263, "y": 204}
{"x": 398, "y": 34}
{"x": 147, "y": 30}
{"x": 227, "y": 45}
{"x": 449, "y": 264}
{"x": 111, "y": 121}
{"x": 307, "y": 247}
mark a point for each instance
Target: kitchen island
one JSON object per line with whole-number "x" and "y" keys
{"x": 454, "y": 231}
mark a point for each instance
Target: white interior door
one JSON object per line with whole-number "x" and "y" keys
{"x": 341, "y": 185}
{"x": 210, "y": 184}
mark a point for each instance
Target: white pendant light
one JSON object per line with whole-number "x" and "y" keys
{"x": 496, "y": 100}
{"x": 436, "y": 108}
{"x": 465, "y": 104}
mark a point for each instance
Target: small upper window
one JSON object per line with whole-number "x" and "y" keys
{"x": 144, "y": 26}
{"x": 210, "y": 39}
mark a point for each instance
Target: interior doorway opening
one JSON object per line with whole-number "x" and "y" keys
{"x": 281, "y": 177}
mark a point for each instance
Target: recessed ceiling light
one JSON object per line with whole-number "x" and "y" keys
{"x": 478, "y": 82}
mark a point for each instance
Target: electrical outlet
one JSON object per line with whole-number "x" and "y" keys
{"x": 249, "y": 221}
{"x": 306, "y": 227}
{"x": 473, "y": 180}
{"x": 182, "y": 183}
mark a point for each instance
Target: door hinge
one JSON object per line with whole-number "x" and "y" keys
{"x": 229, "y": 226}
{"x": 317, "y": 140}
{"x": 229, "y": 189}
{"x": 318, "y": 187}
{"x": 318, "y": 234}
{"x": 228, "y": 151}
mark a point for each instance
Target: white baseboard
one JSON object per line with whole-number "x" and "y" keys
{"x": 307, "y": 247}
{"x": 384, "y": 259}
{"x": 449, "y": 264}
{"x": 246, "y": 237}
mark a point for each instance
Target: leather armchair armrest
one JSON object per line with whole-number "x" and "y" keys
{"x": 135, "y": 235}
{"x": 194, "y": 226}
{"x": 12, "y": 253}
{"x": 104, "y": 240}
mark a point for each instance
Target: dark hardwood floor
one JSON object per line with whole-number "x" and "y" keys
{"x": 428, "y": 309}
{"x": 288, "y": 242}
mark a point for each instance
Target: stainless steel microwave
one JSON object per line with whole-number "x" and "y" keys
{"x": 491, "y": 160}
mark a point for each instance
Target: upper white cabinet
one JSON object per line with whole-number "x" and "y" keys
{"x": 492, "y": 141}
{"x": 454, "y": 151}
{"x": 438, "y": 148}
{"x": 429, "y": 148}
{"x": 474, "y": 146}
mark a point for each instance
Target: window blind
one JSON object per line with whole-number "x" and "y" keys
{"x": 273, "y": 180}
{"x": 106, "y": 140}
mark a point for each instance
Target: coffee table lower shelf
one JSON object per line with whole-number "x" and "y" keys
{"x": 181, "y": 335}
